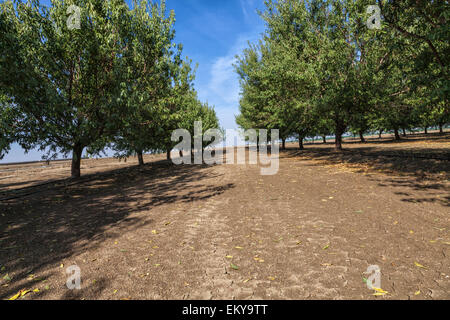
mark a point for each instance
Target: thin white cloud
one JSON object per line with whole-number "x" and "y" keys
{"x": 222, "y": 88}
{"x": 244, "y": 9}
{"x": 247, "y": 5}
{"x": 224, "y": 82}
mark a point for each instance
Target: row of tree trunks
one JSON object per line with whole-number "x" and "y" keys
{"x": 78, "y": 148}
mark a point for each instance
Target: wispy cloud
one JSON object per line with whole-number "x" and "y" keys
{"x": 244, "y": 9}
{"x": 222, "y": 89}
{"x": 224, "y": 82}
{"x": 247, "y": 5}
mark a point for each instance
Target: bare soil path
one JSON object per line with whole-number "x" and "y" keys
{"x": 226, "y": 232}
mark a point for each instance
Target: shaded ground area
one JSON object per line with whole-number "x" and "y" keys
{"x": 226, "y": 232}
{"x": 19, "y": 176}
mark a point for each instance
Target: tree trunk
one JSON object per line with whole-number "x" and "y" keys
{"x": 300, "y": 143}
{"x": 338, "y": 142}
{"x": 339, "y": 129}
{"x": 324, "y": 139}
{"x": 283, "y": 144}
{"x": 426, "y": 130}
{"x": 361, "y": 136}
{"x": 404, "y": 132}
{"x": 76, "y": 161}
{"x": 441, "y": 129}
{"x": 168, "y": 154}
{"x": 140, "y": 157}
{"x": 380, "y": 135}
{"x": 397, "y": 135}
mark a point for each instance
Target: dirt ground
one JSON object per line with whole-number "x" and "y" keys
{"x": 226, "y": 232}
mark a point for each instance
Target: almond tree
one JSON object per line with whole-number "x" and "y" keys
{"x": 6, "y": 128}
{"x": 66, "y": 84}
{"x": 152, "y": 65}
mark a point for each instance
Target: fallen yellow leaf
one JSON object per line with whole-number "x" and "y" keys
{"x": 379, "y": 290}
{"x": 420, "y": 266}
{"x": 14, "y": 297}
{"x": 379, "y": 294}
{"x": 20, "y": 294}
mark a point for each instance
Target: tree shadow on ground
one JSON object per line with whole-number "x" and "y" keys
{"x": 421, "y": 170}
{"x": 4, "y": 186}
{"x": 40, "y": 230}
{"x": 410, "y": 137}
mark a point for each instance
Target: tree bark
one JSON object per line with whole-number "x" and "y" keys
{"x": 340, "y": 128}
{"x": 361, "y": 136}
{"x": 338, "y": 142}
{"x": 380, "y": 134}
{"x": 397, "y": 135}
{"x": 168, "y": 154}
{"x": 324, "y": 139}
{"x": 300, "y": 143}
{"x": 441, "y": 129}
{"x": 76, "y": 161}
{"x": 426, "y": 130}
{"x": 140, "y": 157}
{"x": 283, "y": 144}
{"x": 404, "y": 132}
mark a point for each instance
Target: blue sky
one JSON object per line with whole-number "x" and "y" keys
{"x": 212, "y": 33}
